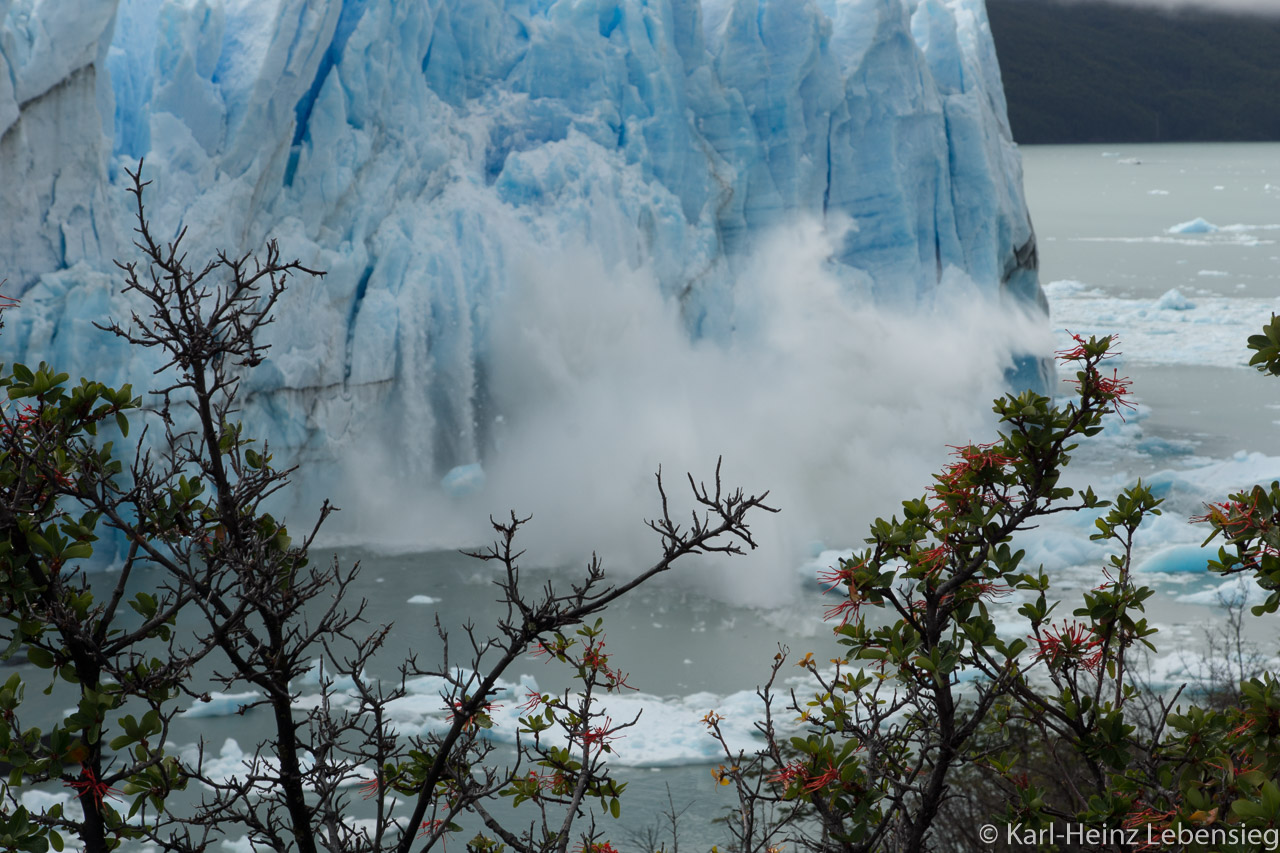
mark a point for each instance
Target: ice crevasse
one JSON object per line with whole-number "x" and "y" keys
{"x": 432, "y": 155}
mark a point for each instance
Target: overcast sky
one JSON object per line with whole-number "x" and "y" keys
{"x": 1271, "y": 7}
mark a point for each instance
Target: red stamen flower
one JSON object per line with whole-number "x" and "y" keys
{"x": 432, "y": 827}
{"x": 534, "y": 700}
{"x": 597, "y": 847}
{"x": 1078, "y": 352}
{"x": 1074, "y": 642}
{"x": 793, "y": 771}
{"x": 601, "y": 735}
{"x": 89, "y": 785}
{"x": 822, "y": 780}
{"x": 846, "y": 610}
{"x": 932, "y": 560}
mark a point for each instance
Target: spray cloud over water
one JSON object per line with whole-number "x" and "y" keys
{"x": 838, "y": 409}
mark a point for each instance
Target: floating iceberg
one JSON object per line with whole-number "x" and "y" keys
{"x": 1194, "y": 226}
{"x": 1173, "y": 300}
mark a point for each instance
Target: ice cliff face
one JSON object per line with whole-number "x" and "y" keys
{"x": 433, "y": 155}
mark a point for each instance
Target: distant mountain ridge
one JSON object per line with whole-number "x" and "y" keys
{"x": 1099, "y": 72}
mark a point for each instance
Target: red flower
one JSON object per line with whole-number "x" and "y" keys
{"x": 846, "y": 610}
{"x": 1114, "y": 389}
{"x": 593, "y": 656}
{"x": 793, "y": 771}
{"x": 1074, "y": 642}
{"x": 1241, "y": 729}
{"x": 546, "y": 781}
{"x": 535, "y": 699}
{"x": 431, "y": 827}
{"x": 1150, "y": 818}
{"x": 460, "y": 708}
{"x": 1078, "y": 352}
{"x": 601, "y": 735}
{"x": 1234, "y": 517}
{"x": 977, "y": 457}
{"x": 834, "y": 576}
{"x": 1110, "y": 389}
{"x": 89, "y": 785}
{"x": 984, "y": 588}
{"x": 822, "y": 780}
{"x": 932, "y": 560}
{"x": 597, "y": 847}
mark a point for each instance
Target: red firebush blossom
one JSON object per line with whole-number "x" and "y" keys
{"x": 532, "y": 703}
{"x": 1112, "y": 389}
{"x": 548, "y": 781}
{"x": 1234, "y": 517}
{"x": 932, "y": 560}
{"x": 1079, "y": 353}
{"x": 979, "y": 457}
{"x": 1073, "y": 642}
{"x": 460, "y": 708}
{"x": 846, "y": 610}
{"x": 793, "y": 771}
{"x": 838, "y": 575}
{"x": 990, "y": 588}
{"x": 1148, "y": 817}
{"x": 91, "y": 786}
{"x": 821, "y": 780}
{"x": 596, "y": 847}
{"x": 601, "y": 735}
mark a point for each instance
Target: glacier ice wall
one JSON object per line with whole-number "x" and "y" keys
{"x": 436, "y": 156}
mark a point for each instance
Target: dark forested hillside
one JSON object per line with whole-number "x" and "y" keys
{"x": 1098, "y": 72}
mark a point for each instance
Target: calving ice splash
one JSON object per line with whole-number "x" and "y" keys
{"x": 566, "y": 242}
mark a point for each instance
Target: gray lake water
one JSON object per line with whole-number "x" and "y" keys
{"x": 1103, "y": 217}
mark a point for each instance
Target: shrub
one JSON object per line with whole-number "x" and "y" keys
{"x": 192, "y": 504}
{"x": 930, "y": 715}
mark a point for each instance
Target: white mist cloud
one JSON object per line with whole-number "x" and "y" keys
{"x": 837, "y": 409}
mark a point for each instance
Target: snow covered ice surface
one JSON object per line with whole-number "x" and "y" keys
{"x": 1173, "y": 329}
{"x": 438, "y": 157}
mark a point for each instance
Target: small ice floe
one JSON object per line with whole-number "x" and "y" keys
{"x": 1213, "y": 273}
{"x": 1173, "y": 300}
{"x": 1066, "y": 287}
{"x": 1157, "y": 192}
{"x": 1237, "y": 592}
{"x": 423, "y": 599}
{"x": 222, "y": 704}
{"x": 1198, "y": 225}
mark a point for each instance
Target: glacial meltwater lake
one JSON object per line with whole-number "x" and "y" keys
{"x": 1173, "y": 247}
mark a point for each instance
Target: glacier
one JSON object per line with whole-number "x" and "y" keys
{"x": 441, "y": 159}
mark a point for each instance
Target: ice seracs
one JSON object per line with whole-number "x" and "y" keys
{"x": 429, "y": 154}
